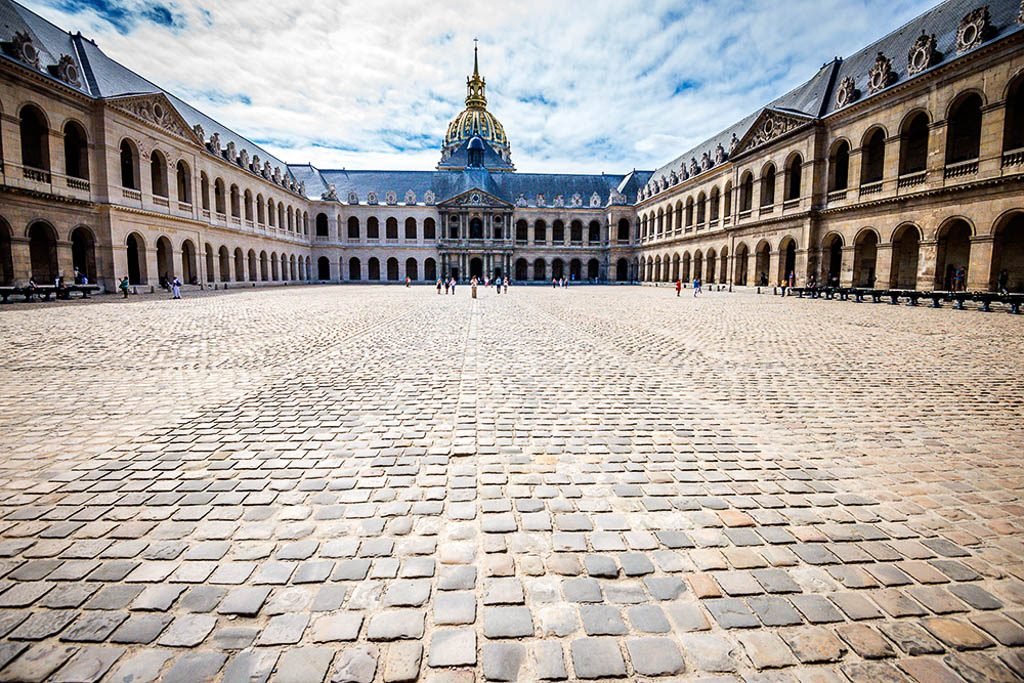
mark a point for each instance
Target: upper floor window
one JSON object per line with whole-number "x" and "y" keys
{"x": 963, "y": 135}
{"x": 35, "y": 138}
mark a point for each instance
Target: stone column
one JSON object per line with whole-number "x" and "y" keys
{"x": 153, "y": 266}
{"x": 21, "y": 257}
{"x": 979, "y": 270}
{"x": 800, "y": 267}
{"x": 774, "y": 259}
{"x": 883, "y": 265}
{"x": 846, "y": 272}
{"x": 853, "y": 180}
{"x": 936, "y": 154}
{"x": 926, "y": 261}
{"x": 993, "y": 119}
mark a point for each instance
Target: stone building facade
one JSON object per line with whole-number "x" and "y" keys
{"x": 897, "y": 166}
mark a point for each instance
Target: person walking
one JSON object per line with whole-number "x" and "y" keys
{"x": 407, "y": 281}
{"x": 438, "y": 283}
{"x": 497, "y": 285}
{"x": 472, "y": 286}
{"x": 506, "y": 284}
{"x": 679, "y": 286}
{"x": 124, "y": 286}
{"x": 176, "y": 288}
{"x": 453, "y": 286}
{"x": 696, "y": 287}
{"x": 1004, "y": 281}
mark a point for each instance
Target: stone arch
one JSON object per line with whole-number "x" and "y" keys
{"x": 373, "y": 268}
{"x": 522, "y": 269}
{"x": 219, "y": 202}
{"x": 353, "y": 228}
{"x": 135, "y": 248}
{"x": 430, "y": 270}
{"x": 914, "y": 130}
{"x": 83, "y": 252}
{"x": 76, "y": 150}
{"x": 746, "y": 191}
{"x": 787, "y": 258}
{"x": 1013, "y": 126}
{"x": 832, "y": 258}
{"x": 412, "y": 269}
{"x": 963, "y": 127}
{"x": 392, "y": 269}
{"x": 575, "y": 269}
{"x": 710, "y": 263}
{"x": 768, "y": 184}
{"x": 762, "y": 262}
{"x": 129, "y": 164}
{"x": 322, "y": 229}
{"x": 953, "y": 252}
{"x": 6, "y": 253}
{"x": 1008, "y": 252}
{"x": 684, "y": 267}
{"x": 354, "y": 269}
{"x": 865, "y": 257}
{"x": 410, "y": 229}
{"x": 873, "y": 155}
{"x": 158, "y": 174}
{"x": 373, "y": 228}
{"x": 164, "y": 260}
{"x": 429, "y": 229}
{"x": 183, "y": 183}
{"x": 622, "y": 270}
{"x": 539, "y": 270}
{"x": 323, "y": 269}
{"x": 34, "y": 130}
{"x": 391, "y": 228}
{"x": 675, "y": 266}
{"x": 224, "y": 257}
{"x": 839, "y": 165}
{"x": 593, "y": 270}
{"x": 275, "y": 273}
{"x": 557, "y": 268}
{"x": 540, "y": 234}
{"x": 906, "y": 247}
{"x": 239, "y": 265}
{"x": 740, "y": 267}
{"x": 264, "y": 266}
{"x": 793, "y": 185}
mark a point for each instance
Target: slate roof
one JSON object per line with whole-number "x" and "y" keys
{"x": 447, "y": 184}
{"x": 102, "y": 77}
{"x": 460, "y": 157}
{"x": 816, "y": 97}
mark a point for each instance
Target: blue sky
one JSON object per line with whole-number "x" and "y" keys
{"x": 579, "y": 86}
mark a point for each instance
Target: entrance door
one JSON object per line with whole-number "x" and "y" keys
{"x": 497, "y": 273}
{"x": 476, "y": 268}
{"x": 455, "y": 274}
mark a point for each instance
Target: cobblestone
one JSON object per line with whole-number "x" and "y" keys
{"x": 339, "y": 483}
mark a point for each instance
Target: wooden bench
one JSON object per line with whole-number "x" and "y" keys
{"x": 44, "y": 292}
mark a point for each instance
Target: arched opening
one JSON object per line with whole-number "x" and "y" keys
{"x": 353, "y": 228}
{"x": 740, "y": 265}
{"x": 557, "y": 269}
{"x": 76, "y": 151}
{"x": 576, "y": 232}
{"x": 218, "y": 196}
{"x": 209, "y": 263}
{"x": 575, "y": 270}
{"x": 354, "y": 269}
{"x": 873, "y": 157}
{"x": 476, "y": 230}
{"x": 865, "y": 258}
{"x": 323, "y": 268}
{"x": 83, "y": 252}
{"x": 251, "y": 260}
{"x": 622, "y": 234}
{"x": 129, "y": 165}
{"x": 675, "y": 267}
{"x": 410, "y": 229}
{"x": 727, "y": 199}
{"x": 709, "y": 269}
{"x": 540, "y": 233}
{"x": 594, "y": 232}
{"x": 372, "y": 228}
{"x": 539, "y": 270}
{"x": 906, "y": 246}
{"x": 787, "y": 259}
{"x": 522, "y": 231}
{"x": 723, "y": 269}
{"x": 136, "y": 253}
{"x": 35, "y": 139}
{"x": 183, "y": 180}
{"x": 391, "y": 228}
{"x": 321, "y": 225}
{"x": 264, "y": 267}
{"x": 794, "y": 178}
{"x": 1013, "y": 127}
{"x": 839, "y": 166}
{"x": 164, "y": 261}
{"x": 275, "y": 273}
{"x": 225, "y": 264}
{"x": 6, "y": 254}
{"x": 247, "y": 205}
{"x": 412, "y": 270}
{"x": 622, "y": 270}
{"x": 204, "y": 195}
{"x": 746, "y": 191}
{"x": 953, "y": 255}
{"x": 714, "y": 202}
{"x": 558, "y": 232}
{"x": 158, "y": 173}
{"x": 392, "y": 265}
{"x": 373, "y": 268}
{"x": 453, "y": 228}
{"x": 476, "y": 268}
{"x": 689, "y": 213}
{"x": 685, "y": 267}
{"x": 831, "y": 259}
{"x": 698, "y": 264}
{"x": 702, "y": 204}
{"x": 914, "y": 144}
{"x": 281, "y": 224}
{"x": 593, "y": 270}
{"x": 522, "y": 269}
{"x": 430, "y": 269}
{"x": 762, "y": 261}
{"x": 963, "y": 133}
{"x": 429, "y": 230}
{"x": 1008, "y": 255}
{"x": 768, "y": 185}
{"x": 236, "y": 204}
{"x": 240, "y": 265}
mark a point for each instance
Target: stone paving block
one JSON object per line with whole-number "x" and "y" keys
{"x": 956, "y": 634}
{"x": 711, "y": 653}
{"x": 339, "y": 626}
{"x": 865, "y": 641}
{"x": 89, "y": 664}
{"x": 402, "y": 662}
{"x": 454, "y": 608}
{"x": 187, "y": 630}
{"x": 356, "y": 664}
{"x": 507, "y": 622}
{"x": 396, "y": 625}
{"x": 654, "y": 656}
{"x": 253, "y": 666}
{"x": 143, "y": 666}
{"x": 93, "y": 627}
{"x": 597, "y": 658}
{"x": 814, "y": 645}
{"x": 502, "y": 661}
{"x": 452, "y": 647}
{"x": 198, "y": 665}
{"x": 766, "y": 650}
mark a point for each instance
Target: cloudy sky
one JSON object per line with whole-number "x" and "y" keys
{"x": 580, "y": 86}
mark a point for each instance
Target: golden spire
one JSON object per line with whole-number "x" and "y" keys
{"x": 475, "y": 85}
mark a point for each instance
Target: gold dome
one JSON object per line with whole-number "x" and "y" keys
{"x": 475, "y": 120}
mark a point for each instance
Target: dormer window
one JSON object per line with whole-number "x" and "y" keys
{"x": 476, "y": 153}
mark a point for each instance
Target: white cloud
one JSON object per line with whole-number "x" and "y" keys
{"x": 580, "y": 86}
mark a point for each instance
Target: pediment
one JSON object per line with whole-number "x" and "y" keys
{"x": 156, "y": 110}
{"x": 770, "y": 125}
{"x": 476, "y": 198}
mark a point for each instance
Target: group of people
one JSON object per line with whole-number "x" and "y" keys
{"x": 173, "y": 284}
{"x": 559, "y": 282}
{"x": 448, "y": 284}
{"x": 697, "y": 286}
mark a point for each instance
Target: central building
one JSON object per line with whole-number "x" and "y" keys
{"x": 474, "y": 215}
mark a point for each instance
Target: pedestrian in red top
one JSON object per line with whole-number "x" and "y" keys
{"x": 679, "y": 286}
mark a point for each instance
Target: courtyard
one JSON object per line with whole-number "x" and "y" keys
{"x": 373, "y": 483}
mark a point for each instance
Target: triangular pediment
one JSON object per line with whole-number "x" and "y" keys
{"x": 770, "y": 125}
{"x": 475, "y": 197}
{"x": 156, "y": 110}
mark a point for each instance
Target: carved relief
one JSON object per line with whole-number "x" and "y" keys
{"x": 559, "y": 200}
{"x": 705, "y": 162}
{"x": 391, "y": 197}
{"x": 673, "y": 178}
{"x": 410, "y": 198}
{"x": 429, "y": 198}
{"x": 155, "y": 110}
{"x": 353, "y": 198}
{"x": 266, "y": 170}
{"x": 733, "y": 144}
{"x": 846, "y": 93}
{"x": 214, "y": 144}
{"x": 576, "y": 200}
{"x": 769, "y": 126}
{"x": 616, "y": 198}
{"x": 540, "y": 200}
{"x": 243, "y": 159}
{"x": 974, "y": 28}
{"x": 21, "y": 48}
{"x": 371, "y": 198}
{"x": 595, "y": 200}
{"x": 922, "y": 54}
{"x": 521, "y": 201}
{"x": 66, "y": 70}
{"x": 694, "y": 168}
{"x": 880, "y": 75}
{"x": 230, "y": 154}
{"x": 331, "y": 195}
{"x": 720, "y": 155}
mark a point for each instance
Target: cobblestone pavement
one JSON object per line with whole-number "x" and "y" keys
{"x": 383, "y": 484}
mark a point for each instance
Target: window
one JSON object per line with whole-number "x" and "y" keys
{"x": 768, "y": 185}
{"x": 410, "y": 229}
{"x": 35, "y": 142}
{"x": 429, "y": 229}
{"x": 839, "y": 166}
{"x": 794, "y": 178}
{"x": 963, "y": 138}
{"x": 373, "y": 229}
{"x": 129, "y": 166}
{"x": 76, "y": 151}
{"x": 353, "y": 229}
{"x": 158, "y": 173}
{"x": 914, "y": 144}
{"x": 183, "y": 182}
{"x": 873, "y": 157}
